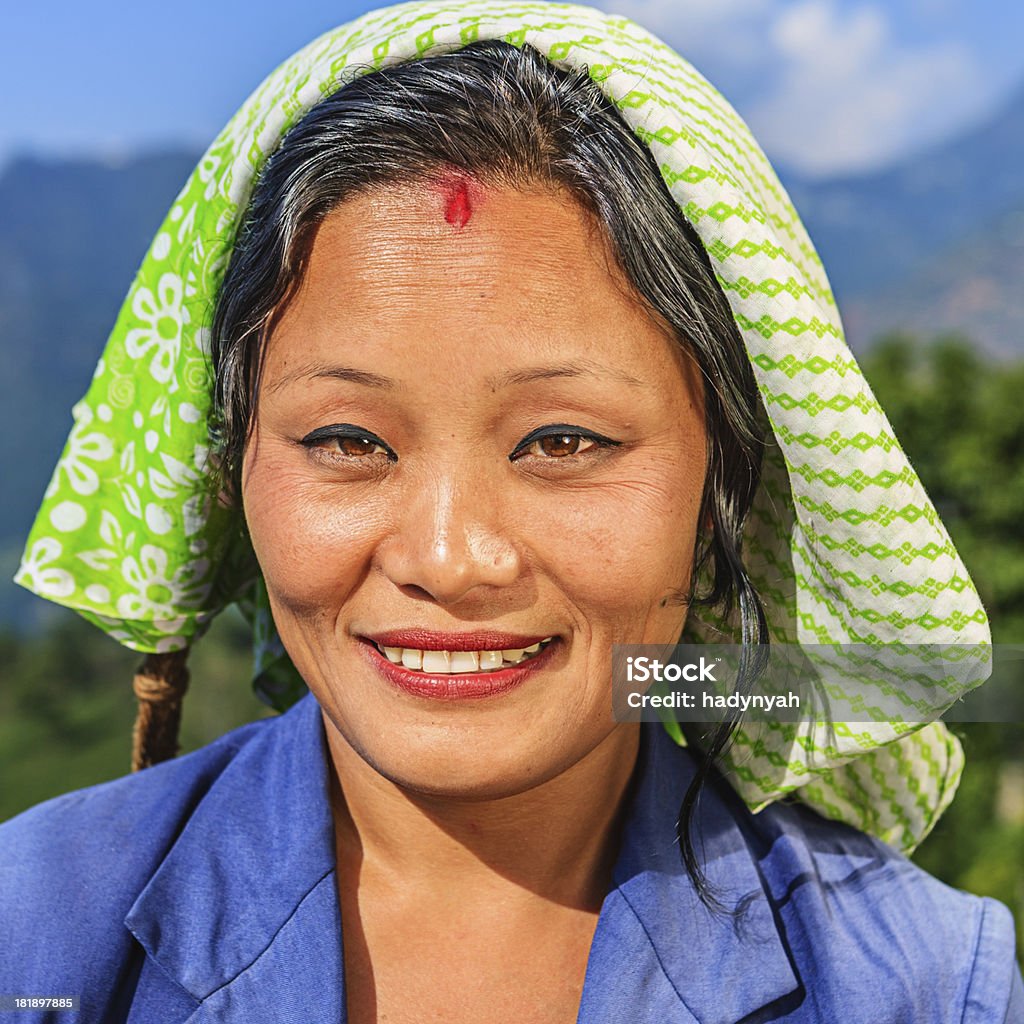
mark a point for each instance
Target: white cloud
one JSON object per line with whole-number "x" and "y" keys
{"x": 850, "y": 98}
{"x": 826, "y": 86}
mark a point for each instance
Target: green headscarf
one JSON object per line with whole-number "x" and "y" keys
{"x": 842, "y": 543}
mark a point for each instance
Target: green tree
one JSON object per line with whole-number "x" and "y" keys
{"x": 960, "y": 419}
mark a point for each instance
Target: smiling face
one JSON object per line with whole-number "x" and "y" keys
{"x": 471, "y": 438}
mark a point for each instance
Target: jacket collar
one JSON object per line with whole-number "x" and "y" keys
{"x": 248, "y": 888}
{"x": 243, "y": 911}
{"x": 721, "y": 966}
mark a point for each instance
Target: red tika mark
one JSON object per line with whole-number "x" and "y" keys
{"x": 457, "y": 205}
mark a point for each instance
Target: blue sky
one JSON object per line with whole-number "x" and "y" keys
{"x": 829, "y": 86}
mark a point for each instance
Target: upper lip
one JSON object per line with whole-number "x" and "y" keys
{"x": 478, "y": 640}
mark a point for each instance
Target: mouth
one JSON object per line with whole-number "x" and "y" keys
{"x": 460, "y": 662}
{"x": 457, "y": 666}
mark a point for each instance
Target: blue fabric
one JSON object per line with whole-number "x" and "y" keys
{"x": 204, "y": 890}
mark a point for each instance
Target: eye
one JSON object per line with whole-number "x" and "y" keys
{"x": 558, "y": 446}
{"x": 358, "y": 446}
{"x": 348, "y": 441}
{"x": 560, "y": 441}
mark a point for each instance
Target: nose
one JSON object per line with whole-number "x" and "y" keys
{"x": 449, "y": 539}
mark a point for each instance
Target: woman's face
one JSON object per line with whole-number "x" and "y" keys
{"x": 471, "y": 438}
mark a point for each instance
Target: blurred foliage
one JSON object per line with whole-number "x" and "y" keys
{"x": 67, "y": 707}
{"x": 66, "y": 704}
{"x": 960, "y": 418}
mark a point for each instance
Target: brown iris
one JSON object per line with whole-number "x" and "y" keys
{"x": 357, "y": 445}
{"x": 559, "y": 445}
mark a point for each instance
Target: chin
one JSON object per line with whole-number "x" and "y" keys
{"x": 463, "y": 763}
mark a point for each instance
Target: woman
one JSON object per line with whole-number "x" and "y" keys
{"x": 487, "y": 411}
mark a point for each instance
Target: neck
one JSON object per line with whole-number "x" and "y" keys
{"x": 557, "y": 840}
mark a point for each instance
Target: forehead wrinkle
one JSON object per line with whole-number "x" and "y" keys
{"x": 343, "y": 373}
{"x": 575, "y": 369}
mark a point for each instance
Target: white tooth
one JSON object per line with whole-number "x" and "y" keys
{"x": 465, "y": 661}
{"x": 411, "y": 658}
{"x": 393, "y": 654}
{"x": 533, "y": 650}
{"x": 436, "y": 661}
{"x": 490, "y": 660}
{"x": 512, "y": 655}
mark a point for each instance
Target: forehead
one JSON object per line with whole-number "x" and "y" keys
{"x": 483, "y": 275}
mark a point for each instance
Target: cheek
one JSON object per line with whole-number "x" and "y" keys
{"x": 311, "y": 540}
{"x": 618, "y": 550}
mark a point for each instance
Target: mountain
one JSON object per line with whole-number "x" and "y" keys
{"x": 974, "y": 286}
{"x": 933, "y": 243}
{"x": 875, "y": 228}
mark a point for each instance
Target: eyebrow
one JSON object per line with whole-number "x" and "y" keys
{"x": 583, "y": 368}
{"x": 530, "y": 375}
{"x": 345, "y": 373}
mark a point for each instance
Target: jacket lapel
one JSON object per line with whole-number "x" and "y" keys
{"x": 243, "y": 912}
{"x": 659, "y": 954}
{"x": 298, "y": 976}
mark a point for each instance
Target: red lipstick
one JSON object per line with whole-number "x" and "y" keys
{"x": 456, "y": 686}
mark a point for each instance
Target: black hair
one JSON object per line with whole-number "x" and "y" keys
{"x": 507, "y": 116}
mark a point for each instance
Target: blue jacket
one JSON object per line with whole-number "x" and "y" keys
{"x": 203, "y": 890}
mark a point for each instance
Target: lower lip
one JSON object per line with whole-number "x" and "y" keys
{"x": 468, "y": 686}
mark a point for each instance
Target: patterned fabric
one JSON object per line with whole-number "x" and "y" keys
{"x": 842, "y": 543}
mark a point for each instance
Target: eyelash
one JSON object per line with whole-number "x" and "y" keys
{"x": 346, "y": 432}
{"x": 339, "y": 432}
{"x": 562, "y": 430}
